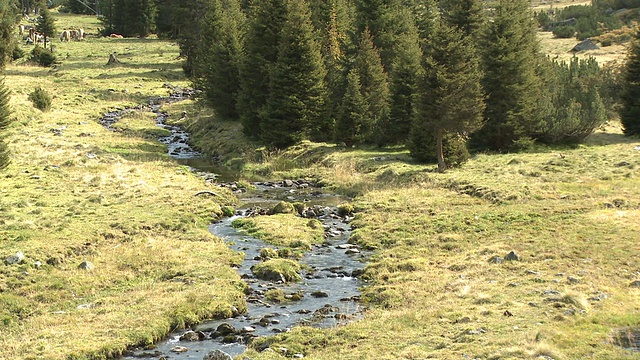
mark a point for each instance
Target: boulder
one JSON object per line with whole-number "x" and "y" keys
{"x": 635, "y": 284}
{"x": 217, "y": 355}
{"x": 512, "y": 256}
{"x": 86, "y": 265}
{"x": 16, "y": 258}
{"x": 584, "y": 45}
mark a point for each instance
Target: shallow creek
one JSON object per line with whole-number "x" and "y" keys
{"x": 327, "y": 295}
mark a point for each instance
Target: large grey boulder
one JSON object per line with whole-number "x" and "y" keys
{"x": 584, "y": 45}
{"x": 17, "y": 258}
{"x": 217, "y": 355}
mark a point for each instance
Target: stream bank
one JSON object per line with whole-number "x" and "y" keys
{"x": 327, "y": 294}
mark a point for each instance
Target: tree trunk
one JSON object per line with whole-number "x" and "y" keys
{"x": 442, "y": 166}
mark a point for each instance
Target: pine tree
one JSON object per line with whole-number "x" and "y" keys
{"x": 630, "y": 112}
{"x": 46, "y": 25}
{"x": 128, "y": 17}
{"x": 7, "y": 27}
{"x": 297, "y": 93}
{"x": 466, "y": 15}
{"x": 337, "y": 47}
{"x": 351, "y": 119}
{"x": 404, "y": 73}
{"x": 221, "y": 50}
{"x": 510, "y": 53}
{"x": 450, "y": 97}
{"x": 266, "y": 18}
{"x": 374, "y": 82}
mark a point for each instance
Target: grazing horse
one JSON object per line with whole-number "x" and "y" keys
{"x": 116, "y": 36}
{"x": 65, "y": 36}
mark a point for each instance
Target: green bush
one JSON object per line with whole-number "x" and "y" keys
{"x": 42, "y": 57}
{"x": 40, "y": 99}
{"x": 17, "y": 52}
{"x": 564, "y": 32}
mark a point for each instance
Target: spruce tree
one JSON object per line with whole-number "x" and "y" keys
{"x": 404, "y": 73}
{"x": 450, "y": 97}
{"x": 510, "y": 54}
{"x": 8, "y": 13}
{"x": 337, "y": 49}
{"x": 351, "y": 119}
{"x": 266, "y": 18}
{"x": 466, "y": 15}
{"x": 630, "y": 111}
{"x": 375, "y": 84}
{"x": 221, "y": 50}
{"x": 297, "y": 92}
{"x": 46, "y": 25}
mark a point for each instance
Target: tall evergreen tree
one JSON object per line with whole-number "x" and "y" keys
{"x": 337, "y": 48}
{"x": 404, "y": 73}
{"x": 374, "y": 82}
{"x": 46, "y": 25}
{"x": 266, "y": 18}
{"x": 630, "y": 112}
{"x": 221, "y": 54}
{"x": 510, "y": 53}
{"x": 351, "y": 120}
{"x": 466, "y": 15}
{"x": 297, "y": 92}
{"x": 128, "y": 17}
{"x": 8, "y": 12}
{"x": 450, "y": 97}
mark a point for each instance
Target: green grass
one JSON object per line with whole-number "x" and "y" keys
{"x": 112, "y": 198}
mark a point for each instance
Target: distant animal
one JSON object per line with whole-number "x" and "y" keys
{"x": 80, "y": 34}
{"x": 21, "y": 29}
{"x": 116, "y": 36}
{"x": 65, "y": 36}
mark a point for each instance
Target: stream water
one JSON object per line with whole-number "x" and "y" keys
{"x": 327, "y": 295}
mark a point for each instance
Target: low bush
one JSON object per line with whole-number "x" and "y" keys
{"x": 41, "y": 99}
{"x": 43, "y": 57}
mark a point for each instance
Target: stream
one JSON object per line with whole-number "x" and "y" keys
{"x": 328, "y": 293}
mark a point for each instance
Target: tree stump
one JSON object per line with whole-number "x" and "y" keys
{"x": 113, "y": 59}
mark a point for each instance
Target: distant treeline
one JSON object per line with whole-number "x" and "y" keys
{"x": 436, "y": 76}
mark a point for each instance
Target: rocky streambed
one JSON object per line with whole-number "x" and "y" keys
{"x": 327, "y": 294}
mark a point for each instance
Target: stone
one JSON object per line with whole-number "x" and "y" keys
{"x": 512, "y": 256}
{"x": 584, "y": 45}
{"x": 192, "y": 336}
{"x": 319, "y": 294}
{"x": 14, "y": 259}
{"x": 179, "y": 349}
{"x": 496, "y": 260}
{"x": 287, "y": 183}
{"x": 635, "y": 284}
{"x": 225, "y": 329}
{"x": 86, "y": 265}
{"x": 571, "y": 280}
{"x": 217, "y": 355}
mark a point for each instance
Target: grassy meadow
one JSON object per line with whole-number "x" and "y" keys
{"x": 78, "y": 192}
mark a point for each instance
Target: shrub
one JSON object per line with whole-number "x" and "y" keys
{"x": 564, "y": 32}
{"x": 17, "y": 52}
{"x": 40, "y": 99}
{"x": 42, "y": 57}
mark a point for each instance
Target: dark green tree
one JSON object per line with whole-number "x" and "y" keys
{"x": 630, "y": 111}
{"x": 404, "y": 74}
{"x": 128, "y": 17}
{"x": 79, "y": 7}
{"x": 8, "y": 20}
{"x": 266, "y": 18}
{"x": 337, "y": 48}
{"x": 222, "y": 50}
{"x": 351, "y": 124}
{"x": 184, "y": 21}
{"x": 466, "y": 15}
{"x": 576, "y": 108}
{"x": 46, "y": 25}
{"x": 374, "y": 83}
{"x": 450, "y": 97}
{"x": 297, "y": 92}
{"x": 510, "y": 53}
